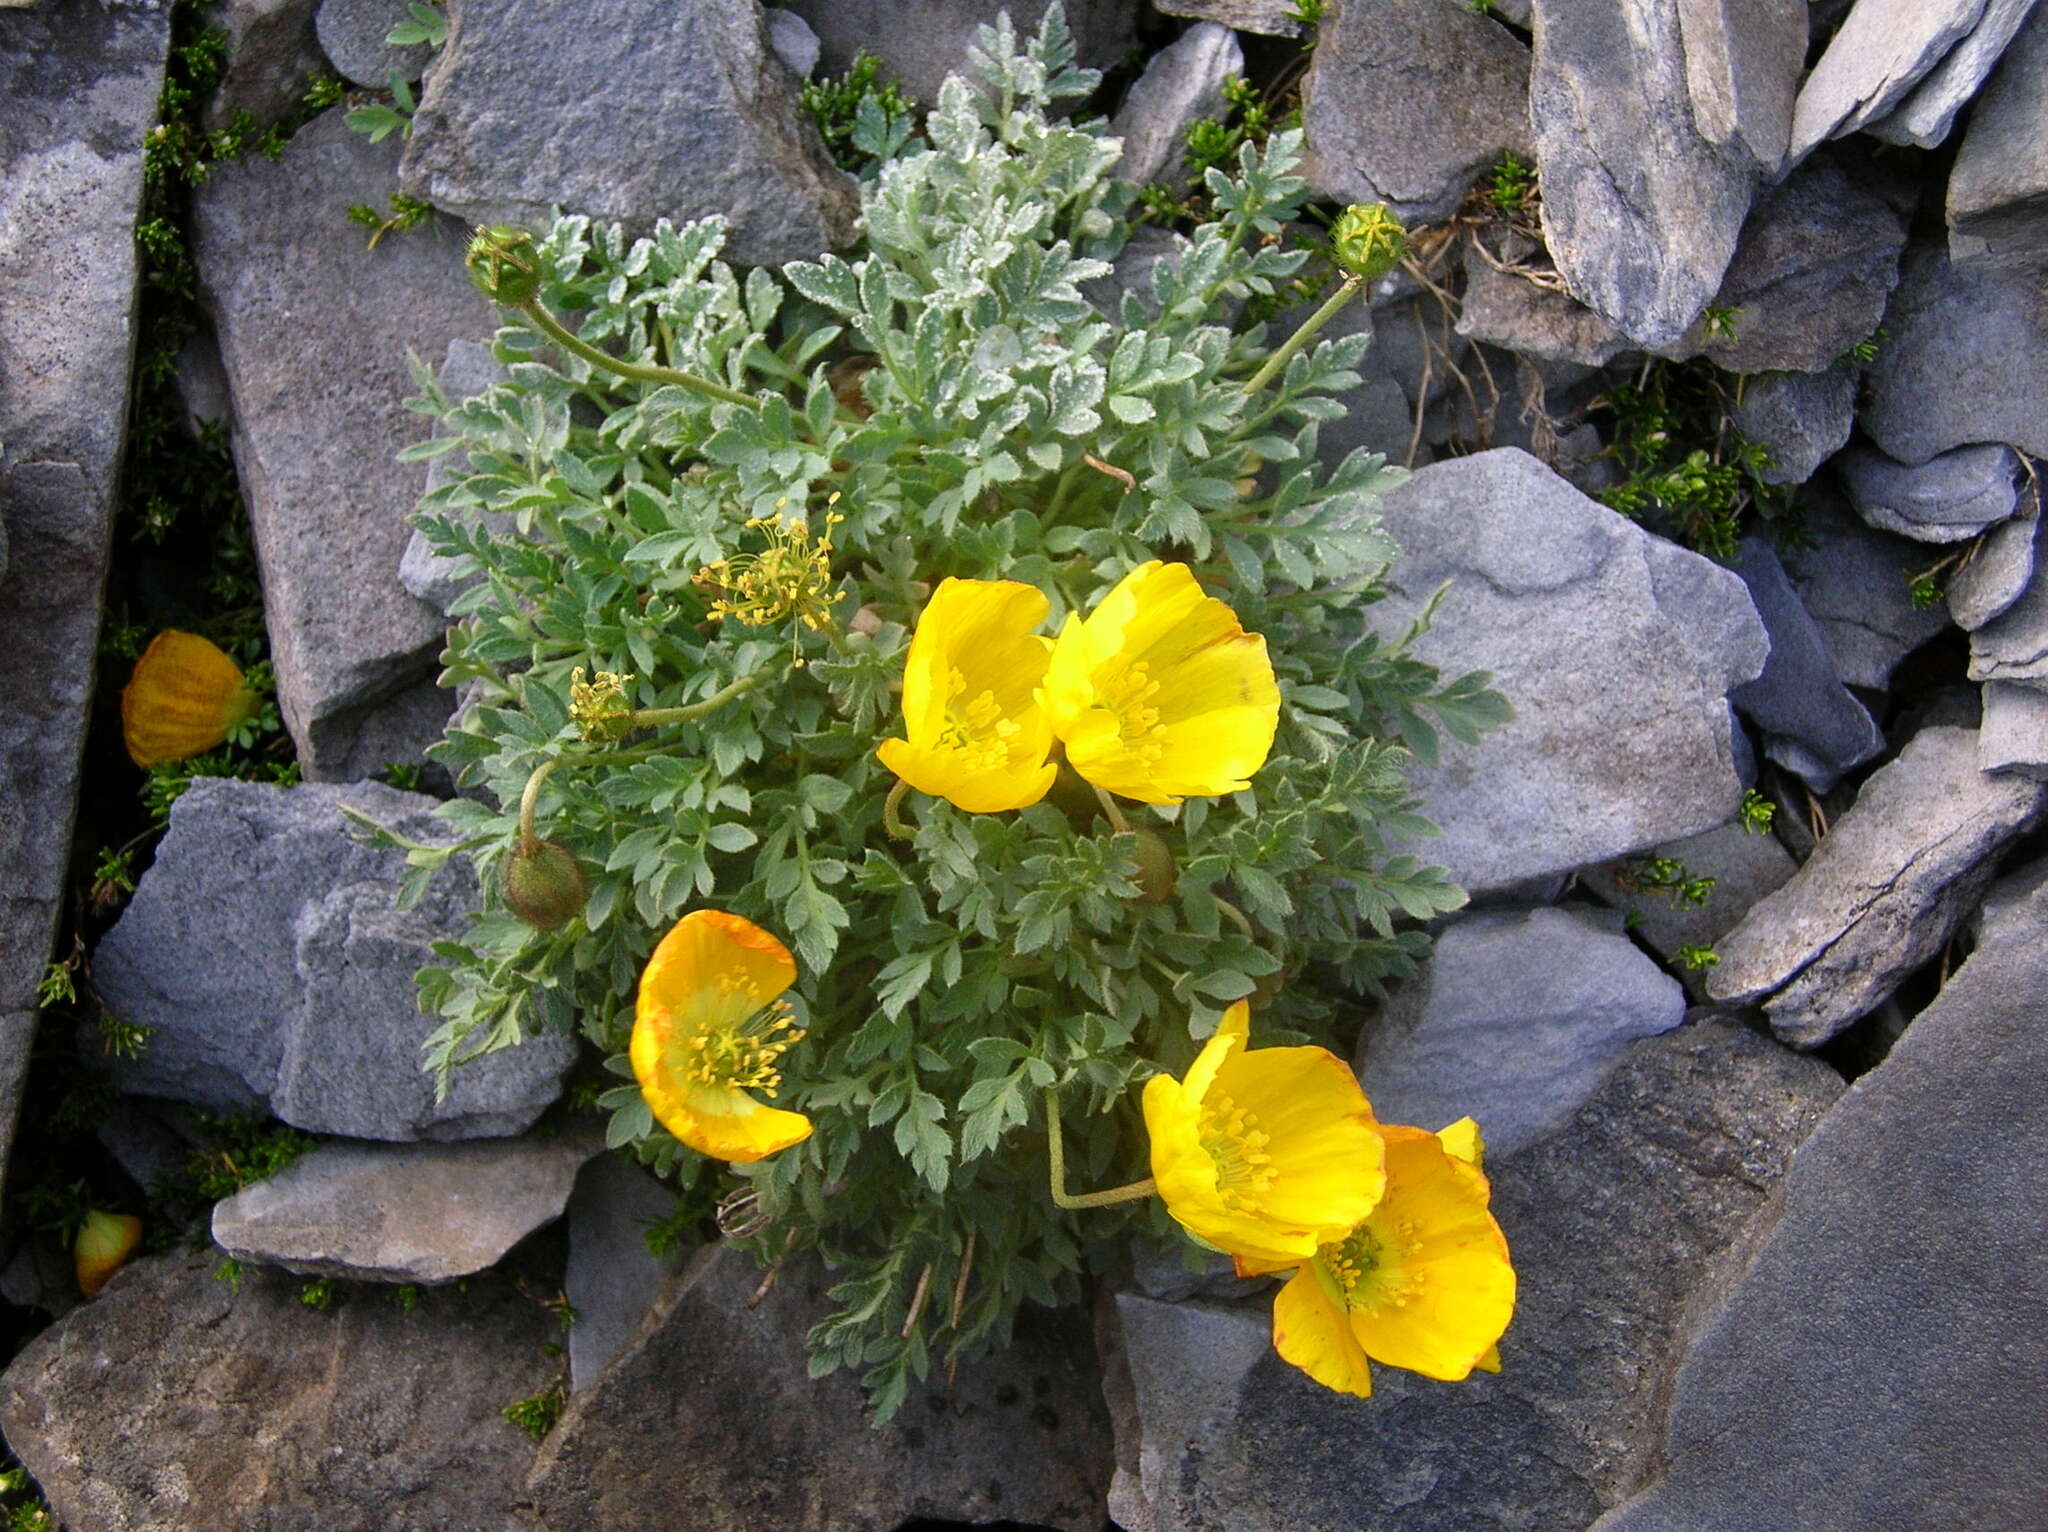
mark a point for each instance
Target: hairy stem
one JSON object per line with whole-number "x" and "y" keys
{"x": 635, "y": 372}
{"x": 1301, "y": 337}
{"x": 1056, "y": 1153}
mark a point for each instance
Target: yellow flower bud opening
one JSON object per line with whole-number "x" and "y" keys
{"x": 184, "y": 698}
{"x": 105, "y": 1241}
{"x": 709, "y": 1026}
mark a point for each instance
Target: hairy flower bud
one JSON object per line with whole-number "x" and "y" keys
{"x": 545, "y": 885}
{"x": 504, "y": 265}
{"x": 1157, "y": 873}
{"x": 1367, "y": 239}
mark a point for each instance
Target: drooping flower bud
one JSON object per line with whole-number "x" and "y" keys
{"x": 1157, "y": 873}
{"x": 544, "y": 884}
{"x": 184, "y": 698}
{"x": 504, "y": 265}
{"x": 105, "y": 1241}
{"x": 1367, "y": 239}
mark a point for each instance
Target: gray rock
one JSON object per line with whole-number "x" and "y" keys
{"x": 176, "y": 1402}
{"x": 1021, "y": 1436}
{"x": 1811, "y": 724}
{"x": 1616, "y": 648}
{"x": 1745, "y": 866}
{"x": 1800, "y": 418}
{"x": 1884, "y": 889}
{"x": 1515, "y": 1020}
{"x": 467, "y": 370}
{"x": 2013, "y": 646}
{"x": 1527, "y": 317}
{"x": 1966, "y": 360}
{"x": 1166, "y": 1274}
{"x": 1268, "y": 18}
{"x": 1852, "y": 580}
{"x": 1611, "y": 1221}
{"x": 314, "y": 330}
{"x": 696, "y": 117}
{"x": 921, "y": 43}
{"x": 1181, "y": 85}
{"x": 1640, "y": 212}
{"x": 1407, "y": 101}
{"x": 1990, "y": 581}
{"x": 425, "y": 1213}
{"x": 1947, "y": 499}
{"x": 40, "y": 1275}
{"x": 272, "y": 55}
{"x": 1870, "y": 1362}
{"x": 147, "y": 1144}
{"x": 1882, "y": 51}
{"x": 1818, "y": 257}
{"x": 1998, "y": 188}
{"x": 1742, "y": 62}
{"x": 612, "y": 1279}
{"x": 352, "y": 34}
{"x": 794, "y": 42}
{"x": 1925, "y": 116}
{"x": 78, "y": 89}
{"x": 2015, "y": 732}
{"x": 264, "y": 948}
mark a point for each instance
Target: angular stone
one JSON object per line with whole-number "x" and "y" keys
{"x": 1818, "y": 257}
{"x": 1925, "y": 116}
{"x": 2015, "y": 731}
{"x": 1800, "y": 418}
{"x": 1997, "y": 575}
{"x": 1611, "y": 1220}
{"x": 794, "y": 42}
{"x": 1852, "y": 580}
{"x": 1882, "y": 51}
{"x": 696, "y": 116}
{"x": 264, "y": 948}
{"x": 612, "y": 1278}
{"x": 1950, "y": 498}
{"x": 1616, "y": 648}
{"x": 1268, "y": 18}
{"x": 1022, "y": 1435}
{"x": 1407, "y": 101}
{"x": 426, "y": 1213}
{"x": 1515, "y": 1019}
{"x": 1882, "y": 892}
{"x": 467, "y": 370}
{"x": 1517, "y": 314}
{"x": 352, "y": 34}
{"x": 1181, "y": 85}
{"x": 314, "y": 330}
{"x": 1873, "y": 1361}
{"x": 2013, "y": 646}
{"x": 272, "y": 55}
{"x": 1966, "y": 360}
{"x": 1640, "y": 213}
{"x": 1811, "y": 724}
{"x": 175, "y": 1401}
{"x": 1998, "y": 188}
{"x": 1744, "y": 866}
{"x": 1742, "y": 61}
{"x": 78, "y": 89}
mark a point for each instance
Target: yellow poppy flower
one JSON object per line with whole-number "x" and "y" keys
{"x": 977, "y": 735}
{"x": 709, "y": 1027}
{"x": 183, "y": 698}
{"x": 1267, "y": 1153}
{"x": 1424, "y": 1281}
{"x": 1159, "y": 694}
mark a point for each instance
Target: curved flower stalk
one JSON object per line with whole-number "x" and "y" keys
{"x": 977, "y": 735}
{"x": 184, "y": 698}
{"x": 1268, "y": 1154}
{"x": 1422, "y": 1282}
{"x": 710, "y": 1026}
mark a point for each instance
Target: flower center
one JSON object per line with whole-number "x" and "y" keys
{"x": 1126, "y": 689}
{"x": 1233, "y": 1139}
{"x": 976, "y": 729}
{"x": 743, "y": 1054}
{"x": 1367, "y": 1267}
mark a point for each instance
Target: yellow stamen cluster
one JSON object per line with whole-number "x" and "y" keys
{"x": 745, "y": 1056}
{"x": 1129, "y": 693}
{"x": 598, "y": 707}
{"x": 789, "y": 578}
{"x": 1234, "y": 1140}
{"x": 977, "y": 729}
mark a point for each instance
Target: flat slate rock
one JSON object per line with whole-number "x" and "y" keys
{"x": 710, "y": 1422}
{"x": 1965, "y": 360}
{"x": 1997, "y": 575}
{"x": 314, "y": 330}
{"x": 2013, "y": 646}
{"x": 612, "y": 1278}
{"x": 666, "y": 111}
{"x": 1882, "y": 51}
{"x": 1742, "y": 62}
{"x": 1851, "y": 579}
{"x": 265, "y": 949}
{"x": 1617, "y": 648}
{"x": 1515, "y": 1019}
{"x": 1407, "y": 101}
{"x": 1267, "y": 18}
{"x": 177, "y": 1402}
{"x": 78, "y": 89}
{"x": 2014, "y": 734}
{"x": 1801, "y": 419}
{"x": 1924, "y": 118}
{"x": 1641, "y": 213}
{"x": 1950, "y": 498}
{"x": 1612, "y": 1220}
{"x": 1182, "y": 84}
{"x": 424, "y": 1213}
{"x": 1510, "y": 311}
{"x": 1880, "y": 1357}
{"x": 1998, "y": 188}
{"x": 1883, "y": 891}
